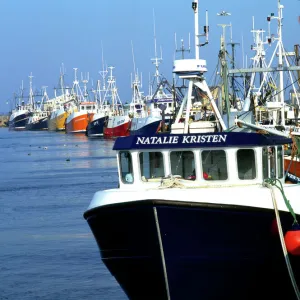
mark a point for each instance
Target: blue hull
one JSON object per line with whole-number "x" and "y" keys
{"x": 19, "y": 122}
{"x": 149, "y": 129}
{"x": 40, "y": 125}
{"x": 209, "y": 252}
{"x": 95, "y": 128}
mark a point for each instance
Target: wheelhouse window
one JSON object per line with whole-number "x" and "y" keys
{"x": 126, "y": 169}
{"x": 272, "y": 159}
{"x": 183, "y": 164}
{"x": 246, "y": 164}
{"x": 280, "y": 162}
{"x": 151, "y": 165}
{"x": 265, "y": 162}
{"x": 214, "y": 165}
{"x": 270, "y": 162}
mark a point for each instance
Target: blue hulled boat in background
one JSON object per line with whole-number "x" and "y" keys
{"x": 20, "y": 114}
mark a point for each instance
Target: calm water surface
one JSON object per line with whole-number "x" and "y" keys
{"x": 47, "y": 250}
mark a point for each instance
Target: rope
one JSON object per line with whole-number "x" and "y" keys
{"x": 295, "y": 146}
{"x": 171, "y": 182}
{"x": 286, "y": 256}
{"x": 295, "y": 152}
{"x": 273, "y": 182}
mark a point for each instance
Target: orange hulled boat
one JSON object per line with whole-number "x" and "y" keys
{"x": 79, "y": 118}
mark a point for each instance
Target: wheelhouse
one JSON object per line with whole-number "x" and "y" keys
{"x": 200, "y": 159}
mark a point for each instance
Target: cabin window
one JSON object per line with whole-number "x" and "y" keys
{"x": 246, "y": 164}
{"x": 151, "y": 165}
{"x": 272, "y": 160}
{"x": 214, "y": 165}
{"x": 88, "y": 108}
{"x": 272, "y": 163}
{"x": 183, "y": 164}
{"x": 280, "y": 162}
{"x": 265, "y": 162}
{"x": 126, "y": 169}
{"x": 82, "y": 107}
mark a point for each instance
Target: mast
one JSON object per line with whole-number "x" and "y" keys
{"x": 85, "y": 79}
{"x": 277, "y": 105}
{"x": 280, "y": 62}
{"x": 103, "y": 75}
{"x": 22, "y": 95}
{"x": 233, "y": 44}
{"x": 76, "y": 88}
{"x": 193, "y": 70}
{"x": 182, "y": 49}
{"x": 156, "y": 60}
{"x": 195, "y": 8}
{"x": 31, "y": 100}
{"x": 297, "y": 57}
{"x": 224, "y": 73}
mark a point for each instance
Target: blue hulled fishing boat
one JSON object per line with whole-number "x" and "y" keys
{"x": 202, "y": 212}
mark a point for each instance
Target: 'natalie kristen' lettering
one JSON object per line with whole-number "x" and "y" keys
{"x": 174, "y": 139}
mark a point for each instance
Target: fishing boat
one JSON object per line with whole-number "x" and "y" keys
{"x": 272, "y": 111}
{"x": 143, "y": 120}
{"x": 193, "y": 217}
{"x": 18, "y": 118}
{"x": 61, "y": 105}
{"x": 148, "y": 111}
{"x": 80, "y": 117}
{"x": 118, "y": 122}
{"x": 95, "y": 127}
{"x": 20, "y": 114}
{"x": 201, "y": 213}
{"x": 38, "y": 119}
{"x": 81, "y": 114}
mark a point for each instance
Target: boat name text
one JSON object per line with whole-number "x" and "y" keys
{"x": 173, "y": 139}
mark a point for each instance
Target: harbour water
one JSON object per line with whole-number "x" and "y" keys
{"x": 47, "y": 250}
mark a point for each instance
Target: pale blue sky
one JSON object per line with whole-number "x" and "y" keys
{"x": 38, "y": 35}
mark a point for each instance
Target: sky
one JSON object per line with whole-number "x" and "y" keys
{"x": 39, "y": 35}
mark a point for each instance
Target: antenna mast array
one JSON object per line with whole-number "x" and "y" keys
{"x": 193, "y": 70}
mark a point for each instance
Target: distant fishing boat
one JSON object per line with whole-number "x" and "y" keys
{"x": 38, "y": 119}
{"x": 118, "y": 123}
{"x": 152, "y": 112}
{"x": 80, "y": 117}
{"x": 81, "y": 114}
{"x": 20, "y": 114}
{"x": 62, "y": 104}
{"x": 144, "y": 120}
{"x": 96, "y": 126}
{"x": 18, "y": 118}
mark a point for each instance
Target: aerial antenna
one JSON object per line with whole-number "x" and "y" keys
{"x": 156, "y": 61}
{"x": 133, "y": 58}
{"x": 76, "y": 87}
{"x": 31, "y": 102}
{"x": 182, "y": 48}
{"x": 206, "y": 27}
{"x": 154, "y": 32}
{"x": 85, "y": 79}
{"x": 104, "y": 72}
